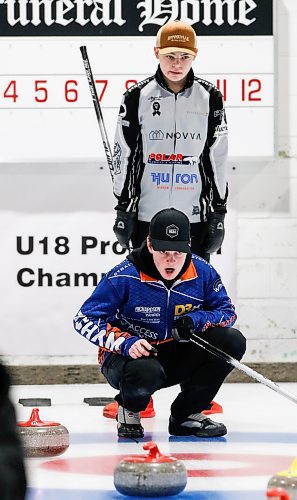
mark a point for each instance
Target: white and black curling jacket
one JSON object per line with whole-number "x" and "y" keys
{"x": 171, "y": 149}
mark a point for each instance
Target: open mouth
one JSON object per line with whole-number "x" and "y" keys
{"x": 169, "y": 270}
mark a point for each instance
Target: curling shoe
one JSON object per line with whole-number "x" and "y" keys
{"x": 196, "y": 425}
{"x": 129, "y": 425}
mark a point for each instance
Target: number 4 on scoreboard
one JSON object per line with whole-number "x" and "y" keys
{"x": 10, "y": 91}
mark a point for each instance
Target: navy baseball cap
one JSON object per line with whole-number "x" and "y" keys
{"x": 170, "y": 231}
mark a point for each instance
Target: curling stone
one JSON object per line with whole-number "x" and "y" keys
{"x": 152, "y": 475}
{"x": 284, "y": 483}
{"x": 42, "y": 439}
{"x": 277, "y": 494}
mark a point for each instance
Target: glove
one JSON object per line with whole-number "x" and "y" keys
{"x": 183, "y": 328}
{"x": 215, "y": 232}
{"x": 124, "y": 227}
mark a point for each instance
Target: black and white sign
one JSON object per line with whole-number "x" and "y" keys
{"x": 131, "y": 18}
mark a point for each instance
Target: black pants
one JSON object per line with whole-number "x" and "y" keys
{"x": 199, "y": 373}
{"x": 198, "y": 231}
{"x": 12, "y": 472}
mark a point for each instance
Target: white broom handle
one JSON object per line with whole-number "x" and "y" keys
{"x": 242, "y": 367}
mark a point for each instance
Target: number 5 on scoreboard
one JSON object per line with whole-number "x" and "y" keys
{"x": 39, "y": 87}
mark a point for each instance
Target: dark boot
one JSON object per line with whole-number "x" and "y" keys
{"x": 129, "y": 425}
{"x": 196, "y": 425}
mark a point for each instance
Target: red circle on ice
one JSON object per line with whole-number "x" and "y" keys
{"x": 248, "y": 465}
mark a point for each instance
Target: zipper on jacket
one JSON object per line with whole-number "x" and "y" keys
{"x": 168, "y": 296}
{"x": 167, "y": 305}
{"x": 174, "y": 144}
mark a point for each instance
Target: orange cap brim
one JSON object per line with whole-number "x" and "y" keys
{"x": 168, "y": 50}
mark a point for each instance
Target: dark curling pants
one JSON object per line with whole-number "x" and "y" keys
{"x": 199, "y": 373}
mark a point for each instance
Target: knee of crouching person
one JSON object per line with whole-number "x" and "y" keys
{"x": 149, "y": 377}
{"x": 236, "y": 343}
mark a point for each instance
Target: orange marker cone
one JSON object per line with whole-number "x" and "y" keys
{"x": 111, "y": 410}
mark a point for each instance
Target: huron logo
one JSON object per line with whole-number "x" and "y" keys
{"x": 164, "y": 178}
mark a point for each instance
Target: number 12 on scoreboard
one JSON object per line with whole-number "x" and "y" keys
{"x": 250, "y": 89}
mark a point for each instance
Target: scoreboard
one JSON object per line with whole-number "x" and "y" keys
{"x": 46, "y": 108}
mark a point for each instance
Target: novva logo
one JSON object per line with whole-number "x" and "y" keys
{"x": 159, "y": 135}
{"x": 156, "y": 135}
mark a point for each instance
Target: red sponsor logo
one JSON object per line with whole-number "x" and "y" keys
{"x": 165, "y": 157}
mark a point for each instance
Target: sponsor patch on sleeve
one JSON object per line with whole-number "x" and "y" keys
{"x": 217, "y": 285}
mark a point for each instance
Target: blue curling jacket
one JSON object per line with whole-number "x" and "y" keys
{"x": 127, "y": 305}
